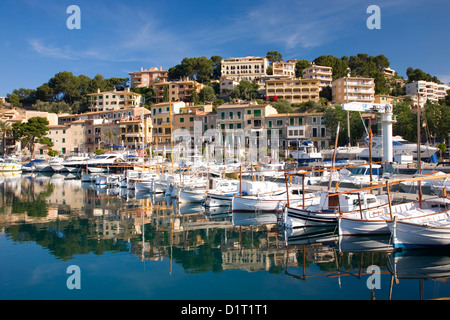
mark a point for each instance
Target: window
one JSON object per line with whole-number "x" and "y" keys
{"x": 231, "y": 115}
{"x": 191, "y": 119}
{"x": 222, "y": 115}
{"x": 257, "y": 113}
{"x": 279, "y": 122}
{"x": 238, "y": 126}
{"x": 64, "y": 140}
{"x": 270, "y": 123}
{"x": 181, "y": 119}
{"x": 239, "y": 114}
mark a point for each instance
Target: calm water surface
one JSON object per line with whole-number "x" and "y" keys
{"x": 138, "y": 246}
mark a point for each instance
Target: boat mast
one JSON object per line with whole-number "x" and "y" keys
{"x": 419, "y": 164}
{"x": 334, "y": 157}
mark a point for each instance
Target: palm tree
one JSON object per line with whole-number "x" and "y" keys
{"x": 5, "y": 129}
{"x": 110, "y": 135}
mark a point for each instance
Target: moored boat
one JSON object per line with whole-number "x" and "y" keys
{"x": 9, "y": 165}
{"x": 331, "y": 205}
{"x": 423, "y": 231}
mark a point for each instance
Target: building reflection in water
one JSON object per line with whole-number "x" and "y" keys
{"x": 69, "y": 217}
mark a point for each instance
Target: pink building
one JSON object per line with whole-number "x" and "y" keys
{"x": 146, "y": 78}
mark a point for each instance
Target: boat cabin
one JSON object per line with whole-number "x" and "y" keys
{"x": 331, "y": 202}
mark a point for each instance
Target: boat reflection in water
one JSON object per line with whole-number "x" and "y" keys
{"x": 99, "y": 229}
{"x": 431, "y": 265}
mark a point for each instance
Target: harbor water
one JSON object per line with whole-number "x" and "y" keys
{"x": 67, "y": 240}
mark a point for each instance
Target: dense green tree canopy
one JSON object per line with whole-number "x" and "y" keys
{"x": 200, "y": 69}
{"x": 299, "y": 66}
{"x": 31, "y": 132}
{"x": 418, "y": 74}
{"x": 274, "y": 56}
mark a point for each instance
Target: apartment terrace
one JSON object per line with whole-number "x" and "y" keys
{"x": 294, "y": 90}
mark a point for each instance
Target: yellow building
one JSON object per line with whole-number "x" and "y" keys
{"x": 284, "y": 69}
{"x": 321, "y": 73}
{"x": 386, "y": 99}
{"x": 293, "y": 90}
{"x": 113, "y": 100}
{"x": 176, "y": 90}
{"x": 353, "y": 89}
{"x": 162, "y": 121}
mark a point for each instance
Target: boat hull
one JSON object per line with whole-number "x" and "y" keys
{"x": 10, "y": 167}
{"x": 257, "y": 204}
{"x": 411, "y": 235}
{"x": 298, "y": 218}
{"x": 353, "y": 227}
{"x": 191, "y": 195}
{"x": 217, "y": 200}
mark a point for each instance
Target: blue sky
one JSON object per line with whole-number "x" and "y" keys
{"x": 117, "y": 37}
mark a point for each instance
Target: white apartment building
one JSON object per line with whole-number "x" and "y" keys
{"x": 247, "y": 68}
{"x": 429, "y": 90}
{"x": 321, "y": 73}
{"x": 353, "y": 89}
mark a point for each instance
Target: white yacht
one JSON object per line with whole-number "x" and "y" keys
{"x": 102, "y": 162}
{"x": 306, "y": 152}
{"x": 8, "y": 165}
{"x": 401, "y": 147}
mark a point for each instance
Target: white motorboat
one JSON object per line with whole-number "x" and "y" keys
{"x": 31, "y": 165}
{"x": 348, "y": 153}
{"x": 56, "y": 164}
{"x": 104, "y": 162}
{"x": 75, "y": 163}
{"x": 408, "y": 186}
{"x": 8, "y": 165}
{"x": 359, "y": 176}
{"x": 400, "y": 147}
{"x": 306, "y": 152}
